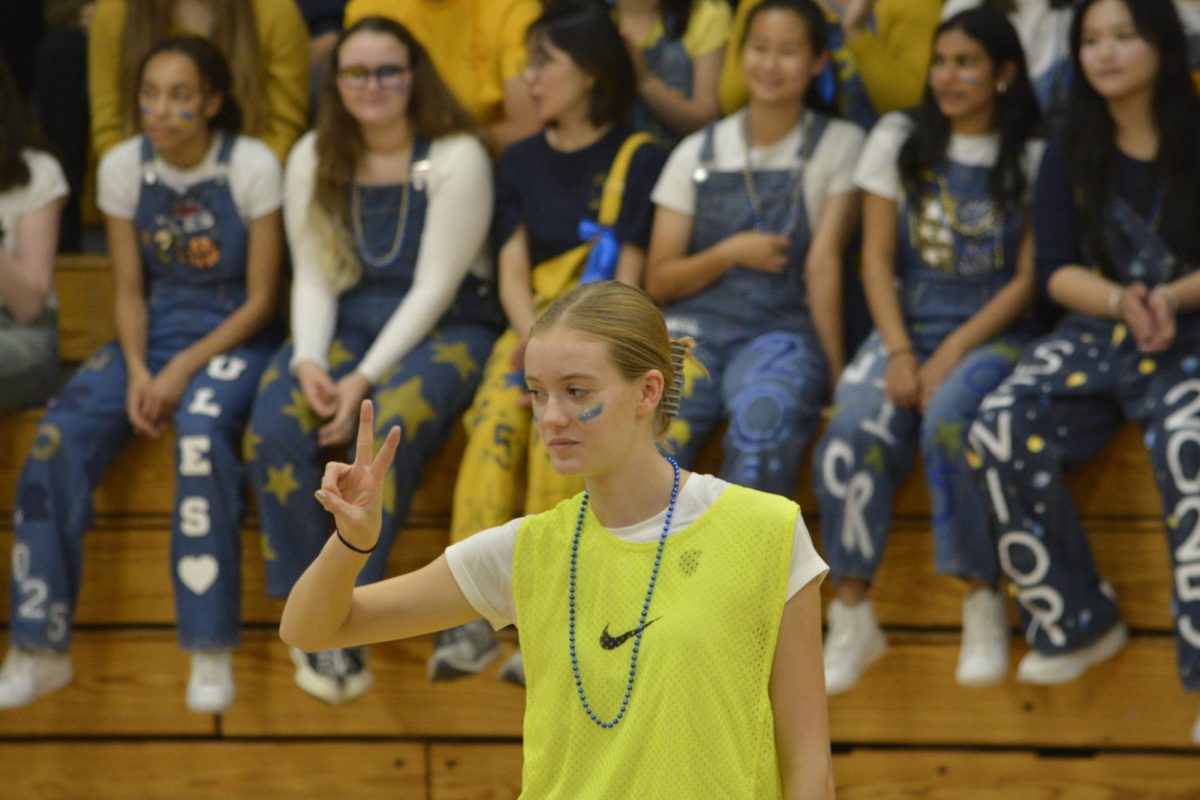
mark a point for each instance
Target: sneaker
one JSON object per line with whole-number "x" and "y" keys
{"x": 464, "y": 650}
{"x": 1047, "y": 670}
{"x": 29, "y": 674}
{"x": 335, "y": 676}
{"x": 983, "y": 658}
{"x": 210, "y": 688}
{"x": 854, "y": 642}
{"x": 513, "y": 670}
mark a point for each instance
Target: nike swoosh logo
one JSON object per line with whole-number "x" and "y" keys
{"x": 613, "y": 642}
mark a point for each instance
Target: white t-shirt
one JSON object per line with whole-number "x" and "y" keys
{"x": 829, "y": 171}
{"x": 879, "y": 174}
{"x": 46, "y": 184}
{"x": 482, "y": 564}
{"x": 253, "y": 173}
{"x": 458, "y": 185}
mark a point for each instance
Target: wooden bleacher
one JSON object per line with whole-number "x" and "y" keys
{"x": 908, "y": 731}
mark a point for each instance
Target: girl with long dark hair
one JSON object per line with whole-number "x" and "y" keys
{"x": 1117, "y": 246}
{"x": 948, "y": 272}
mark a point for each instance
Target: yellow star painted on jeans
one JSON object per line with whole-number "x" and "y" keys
{"x": 1147, "y": 366}
{"x": 405, "y": 402}
{"x": 874, "y": 459}
{"x": 300, "y": 411}
{"x": 1118, "y": 334}
{"x": 457, "y": 354}
{"x": 281, "y": 482}
{"x": 339, "y": 355}
{"x": 950, "y": 437}
{"x": 268, "y": 552}
{"x": 250, "y": 440}
{"x": 268, "y": 377}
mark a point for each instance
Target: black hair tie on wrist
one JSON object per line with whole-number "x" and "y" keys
{"x": 342, "y": 539}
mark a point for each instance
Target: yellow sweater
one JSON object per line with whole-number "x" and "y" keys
{"x": 284, "y": 40}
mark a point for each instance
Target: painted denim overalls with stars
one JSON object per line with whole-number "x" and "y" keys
{"x": 669, "y": 61}
{"x": 1062, "y": 404}
{"x": 424, "y": 393}
{"x": 766, "y": 370}
{"x": 194, "y": 247}
{"x": 954, "y": 252}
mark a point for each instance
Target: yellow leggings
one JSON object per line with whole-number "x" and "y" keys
{"x": 501, "y": 440}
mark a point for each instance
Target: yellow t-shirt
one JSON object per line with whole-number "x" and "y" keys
{"x": 699, "y": 721}
{"x": 893, "y": 60}
{"x": 476, "y": 45}
{"x": 283, "y": 37}
{"x": 707, "y": 29}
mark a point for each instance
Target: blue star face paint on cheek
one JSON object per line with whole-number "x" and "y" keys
{"x": 186, "y": 116}
{"x": 971, "y": 80}
{"x": 589, "y": 414}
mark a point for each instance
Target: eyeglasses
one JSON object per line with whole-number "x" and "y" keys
{"x": 388, "y": 76}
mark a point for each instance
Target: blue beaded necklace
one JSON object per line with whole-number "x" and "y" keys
{"x": 637, "y": 641}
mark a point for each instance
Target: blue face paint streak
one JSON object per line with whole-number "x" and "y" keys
{"x": 589, "y": 414}
{"x": 187, "y": 116}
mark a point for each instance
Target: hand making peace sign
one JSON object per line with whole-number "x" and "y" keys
{"x": 352, "y": 492}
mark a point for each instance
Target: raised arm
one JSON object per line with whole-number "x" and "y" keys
{"x": 325, "y": 610}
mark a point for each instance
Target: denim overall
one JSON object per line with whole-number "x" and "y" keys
{"x": 424, "y": 392}
{"x": 765, "y": 367}
{"x": 669, "y": 61}
{"x": 1065, "y": 400}
{"x": 869, "y": 445}
{"x": 194, "y": 247}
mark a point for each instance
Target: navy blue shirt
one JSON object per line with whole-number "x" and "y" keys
{"x": 1058, "y": 224}
{"x": 550, "y": 192}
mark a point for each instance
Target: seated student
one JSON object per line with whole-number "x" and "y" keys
{"x": 880, "y": 55}
{"x": 946, "y": 213}
{"x": 32, "y": 193}
{"x": 266, "y": 47}
{"x": 572, "y": 204}
{"x": 753, "y": 214}
{"x": 677, "y": 48}
{"x": 478, "y": 47}
{"x": 194, "y": 237}
{"x": 1117, "y": 246}
{"x": 387, "y": 212}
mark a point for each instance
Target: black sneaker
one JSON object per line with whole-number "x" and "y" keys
{"x": 335, "y": 676}
{"x": 464, "y": 650}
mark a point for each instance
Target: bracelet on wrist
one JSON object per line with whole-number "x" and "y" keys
{"x": 1171, "y": 295}
{"x": 1114, "y": 302}
{"x": 342, "y": 539}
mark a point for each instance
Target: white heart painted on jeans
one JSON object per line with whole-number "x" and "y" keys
{"x": 198, "y": 573}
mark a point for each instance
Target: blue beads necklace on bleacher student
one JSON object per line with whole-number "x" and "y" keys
{"x": 641, "y": 626}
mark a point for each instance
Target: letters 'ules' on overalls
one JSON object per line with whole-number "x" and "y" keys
{"x": 194, "y": 247}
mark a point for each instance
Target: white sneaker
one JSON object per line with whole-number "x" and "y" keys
{"x": 465, "y": 650}
{"x": 983, "y": 658}
{"x": 29, "y": 674}
{"x": 1047, "y": 670}
{"x": 335, "y": 676}
{"x": 210, "y": 688}
{"x": 854, "y": 642}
